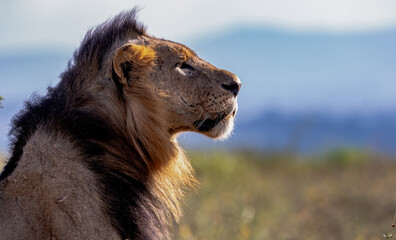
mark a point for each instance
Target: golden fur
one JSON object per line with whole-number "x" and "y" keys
{"x": 97, "y": 157}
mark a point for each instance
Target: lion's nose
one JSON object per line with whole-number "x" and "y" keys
{"x": 233, "y": 87}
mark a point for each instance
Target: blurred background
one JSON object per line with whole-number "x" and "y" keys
{"x": 313, "y": 154}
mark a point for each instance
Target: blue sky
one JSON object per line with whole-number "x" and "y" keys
{"x": 26, "y": 24}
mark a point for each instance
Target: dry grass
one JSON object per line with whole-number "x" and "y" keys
{"x": 342, "y": 195}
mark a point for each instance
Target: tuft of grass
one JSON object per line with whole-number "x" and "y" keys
{"x": 245, "y": 195}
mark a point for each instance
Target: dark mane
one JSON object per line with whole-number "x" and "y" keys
{"x": 95, "y": 45}
{"x": 98, "y": 41}
{"x": 23, "y": 125}
{"x": 141, "y": 184}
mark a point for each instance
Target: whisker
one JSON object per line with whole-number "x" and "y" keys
{"x": 197, "y": 122}
{"x": 202, "y": 121}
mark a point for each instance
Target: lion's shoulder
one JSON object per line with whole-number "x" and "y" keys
{"x": 52, "y": 194}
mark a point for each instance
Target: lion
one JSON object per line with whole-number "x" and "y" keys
{"x": 97, "y": 157}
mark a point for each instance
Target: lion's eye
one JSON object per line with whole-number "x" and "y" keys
{"x": 186, "y": 66}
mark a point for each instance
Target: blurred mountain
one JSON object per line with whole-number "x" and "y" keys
{"x": 296, "y": 71}
{"x": 307, "y": 133}
{"x": 327, "y": 89}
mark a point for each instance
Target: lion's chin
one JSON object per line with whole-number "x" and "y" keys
{"x": 222, "y": 130}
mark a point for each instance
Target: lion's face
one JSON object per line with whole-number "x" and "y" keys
{"x": 196, "y": 95}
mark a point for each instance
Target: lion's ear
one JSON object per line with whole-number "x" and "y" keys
{"x": 132, "y": 62}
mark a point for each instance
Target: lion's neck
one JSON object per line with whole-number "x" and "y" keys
{"x": 140, "y": 166}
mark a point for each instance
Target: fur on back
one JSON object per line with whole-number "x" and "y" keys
{"x": 138, "y": 170}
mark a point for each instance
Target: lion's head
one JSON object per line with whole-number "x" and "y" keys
{"x": 195, "y": 95}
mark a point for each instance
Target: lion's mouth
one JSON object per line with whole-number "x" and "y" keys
{"x": 207, "y": 124}
{"x": 204, "y": 125}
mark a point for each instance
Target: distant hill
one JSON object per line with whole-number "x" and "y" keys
{"x": 294, "y": 71}
{"x": 308, "y": 133}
